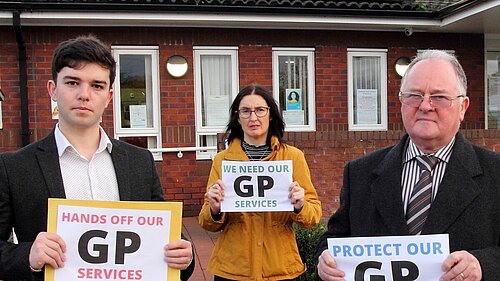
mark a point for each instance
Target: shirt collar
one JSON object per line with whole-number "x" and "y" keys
{"x": 442, "y": 154}
{"x": 63, "y": 143}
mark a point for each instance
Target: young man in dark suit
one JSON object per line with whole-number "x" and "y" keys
{"x": 77, "y": 160}
{"x": 377, "y": 196}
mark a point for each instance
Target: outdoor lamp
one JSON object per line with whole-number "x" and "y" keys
{"x": 401, "y": 65}
{"x": 177, "y": 66}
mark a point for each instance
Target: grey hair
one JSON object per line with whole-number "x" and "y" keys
{"x": 440, "y": 55}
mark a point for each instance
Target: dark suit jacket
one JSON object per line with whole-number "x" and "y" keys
{"x": 467, "y": 205}
{"x": 31, "y": 175}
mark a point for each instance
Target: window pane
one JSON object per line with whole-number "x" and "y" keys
{"x": 144, "y": 142}
{"x": 493, "y": 70}
{"x": 367, "y": 90}
{"x": 136, "y": 91}
{"x": 293, "y": 82}
{"x": 216, "y": 85}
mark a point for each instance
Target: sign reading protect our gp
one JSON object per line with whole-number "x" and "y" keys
{"x": 391, "y": 258}
{"x": 256, "y": 186}
{"x": 114, "y": 240}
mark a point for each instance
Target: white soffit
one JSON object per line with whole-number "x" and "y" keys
{"x": 482, "y": 18}
{"x": 222, "y": 21}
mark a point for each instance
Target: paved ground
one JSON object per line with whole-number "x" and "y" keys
{"x": 203, "y": 242}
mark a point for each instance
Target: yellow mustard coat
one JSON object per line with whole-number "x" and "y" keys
{"x": 260, "y": 245}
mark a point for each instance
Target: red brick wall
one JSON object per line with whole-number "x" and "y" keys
{"x": 327, "y": 149}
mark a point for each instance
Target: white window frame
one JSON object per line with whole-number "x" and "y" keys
{"x": 486, "y": 88}
{"x": 311, "y": 94}
{"x": 201, "y": 130}
{"x": 451, "y": 52}
{"x": 491, "y": 44}
{"x": 155, "y": 130}
{"x": 382, "y": 54}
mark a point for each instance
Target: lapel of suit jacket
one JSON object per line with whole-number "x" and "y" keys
{"x": 122, "y": 167}
{"x": 48, "y": 160}
{"x": 386, "y": 189}
{"x": 457, "y": 189}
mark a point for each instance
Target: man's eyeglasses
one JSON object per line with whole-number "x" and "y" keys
{"x": 437, "y": 100}
{"x": 246, "y": 112}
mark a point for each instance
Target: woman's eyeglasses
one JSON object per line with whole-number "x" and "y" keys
{"x": 245, "y": 113}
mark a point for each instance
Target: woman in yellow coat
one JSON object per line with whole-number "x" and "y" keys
{"x": 258, "y": 245}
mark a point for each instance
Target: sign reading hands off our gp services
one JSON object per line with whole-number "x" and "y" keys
{"x": 391, "y": 258}
{"x": 256, "y": 186}
{"x": 117, "y": 240}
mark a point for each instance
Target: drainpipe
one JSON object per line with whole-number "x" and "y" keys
{"x": 23, "y": 79}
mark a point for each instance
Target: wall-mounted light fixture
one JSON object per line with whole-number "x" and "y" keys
{"x": 177, "y": 66}
{"x": 401, "y": 65}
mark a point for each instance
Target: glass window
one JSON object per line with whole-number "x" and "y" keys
{"x": 136, "y": 99}
{"x": 367, "y": 89}
{"x": 293, "y": 87}
{"x": 216, "y": 85}
{"x": 493, "y": 89}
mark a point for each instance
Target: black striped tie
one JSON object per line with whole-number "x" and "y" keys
{"x": 421, "y": 197}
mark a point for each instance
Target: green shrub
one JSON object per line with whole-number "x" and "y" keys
{"x": 306, "y": 241}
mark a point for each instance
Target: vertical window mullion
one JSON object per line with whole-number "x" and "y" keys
{"x": 293, "y": 72}
{"x": 215, "y": 79}
{"x": 136, "y": 87}
{"x": 367, "y": 98}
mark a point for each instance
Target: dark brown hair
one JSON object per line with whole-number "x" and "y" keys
{"x": 81, "y": 50}
{"x": 276, "y": 124}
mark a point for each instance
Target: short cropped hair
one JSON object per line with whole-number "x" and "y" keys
{"x": 77, "y": 52}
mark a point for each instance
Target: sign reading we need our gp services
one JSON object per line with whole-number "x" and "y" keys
{"x": 256, "y": 186}
{"x": 118, "y": 240}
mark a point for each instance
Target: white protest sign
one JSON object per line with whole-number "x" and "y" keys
{"x": 110, "y": 243}
{"x": 391, "y": 258}
{"x": 256, "y": 186}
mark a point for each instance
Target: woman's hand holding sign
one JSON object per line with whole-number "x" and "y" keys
{"x": 215, "y": 196}
{"x": 296, "y": 196}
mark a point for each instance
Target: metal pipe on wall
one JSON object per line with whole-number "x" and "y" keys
{"x": 23, "y": 78}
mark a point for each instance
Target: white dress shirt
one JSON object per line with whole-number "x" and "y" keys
{"x": 411, "y": 170}
{"x": 85, "y": 179}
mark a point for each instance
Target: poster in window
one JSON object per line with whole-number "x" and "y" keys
{"x": 366, "y": 106}
{"x": 293, "y": 99}
{"x": 293, "y": 117}
{"x": 138, "y": 116}
{"x": 494, "y": 93}
{"x": 217, "y": 110}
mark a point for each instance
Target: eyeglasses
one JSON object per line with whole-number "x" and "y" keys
{"x": 437, "y": 100}
{"x": 245, "y": 113}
